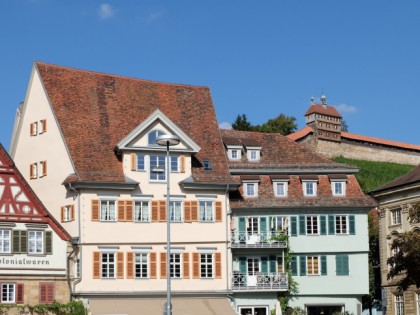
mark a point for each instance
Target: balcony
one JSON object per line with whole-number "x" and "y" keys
{"x": 260, "y": 282}
{"x": 261, "y": 240}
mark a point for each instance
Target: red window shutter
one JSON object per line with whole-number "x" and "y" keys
{"x": 186, "y": 265}
{"x": 155, "y": 215}
{"x": 133, "y": 161}
{"x": 187, "y": 211}
{"x": 62, "y": 214}
{"x": 153, "y": 267}
{"x": 130, "y": 265}
{"x": 95, "y": 210}
{"x": 120, "y": 265}
{"x": 121, "y": 210}
{"x": 19, "y": 293}
{"x": 162, "y": 265}
{"x": 162, "y": 210}
{"x": 218, "y": 262}
{"x": 96, "y": 265}
{"x": 194, "y": 211}
{"x": 42, "y": 293}
{"x": 129, "y": 211}
{"x": 72, "y": 212}
{"x": 218, "y": 211}
{"x": 196, "y": 265}
{"x": 182, "y": 163}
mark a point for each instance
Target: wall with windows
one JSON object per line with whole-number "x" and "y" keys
{"x": 39, "y": 130}
{"x": 353, "y": 305}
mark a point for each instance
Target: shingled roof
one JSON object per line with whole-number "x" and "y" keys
{"x": 96, "y": 110}
{"x": 279, "y": 151}
{"x": 323, "y": 109}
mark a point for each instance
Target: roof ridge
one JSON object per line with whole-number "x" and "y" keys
{"x": 118, "y": 76}
{"x": 381, "y": 140}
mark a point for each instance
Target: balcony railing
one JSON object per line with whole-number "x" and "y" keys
{"x": 261, "y": 240}
{"x": 260, "y": 282}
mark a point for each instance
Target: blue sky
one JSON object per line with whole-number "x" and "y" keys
{"x": 260, "y": 58}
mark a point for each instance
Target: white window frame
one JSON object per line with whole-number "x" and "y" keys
{"x": 305, "y": 186}
{"x": 238, "y": 153}
{"x": 418, "y": 302}
{"x": 312, "y": 225}
{"x": 161, "y": 174}
{"x": 108, "y": 264}
{"x": 255, "y": 189}
{"x": 34, "y": 167}
{"x": 341, "y": 224}
{"x": 152, "y": 135}
{"x": 280, "y": 223}
{"x": 312, "y": 271}
{"x": 5, "y": 241}
{"x": 208, "y": 207}
{"x": 142, "y": 265}
{"x": 399, "y": 304}
{"x": 175, "y": 266}
{"x": 36, "y": 242}
{"x": 8, "y": 290}
{"x": 141, "y": 211}
{"x": 108, "y": 202}
{"x": 341, "y": 183}
{"x": 207, "y": 264}
{"x": 172, "y": 210}
{"x": 253, "y": 154}
{"x": 67, "y": 213}
{"x": 396, "y": 215}
{"x": 285, "y": 188}
{"x": 174, "y": 163}
{"x": 141, "y": 158}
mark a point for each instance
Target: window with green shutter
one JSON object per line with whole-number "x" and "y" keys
{"x": 48, "y": 242}
{"x": 264, "y": 265}
{"x": 273, "y": 264}
{"x": 294, "y": 266}
{"x": 302, "y": 260}
{"x": 263, "y": 228}
{"x": 342, "y": 265}
{"x": 302, "y": 225}
{"x": 20, "y": 242}
{"x": 293, "y": 223}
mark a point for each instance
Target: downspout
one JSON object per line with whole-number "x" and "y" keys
{"x": 68, "y": 270}
{"x": 79, "y": 242}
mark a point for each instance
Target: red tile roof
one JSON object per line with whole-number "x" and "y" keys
{"x": 300, "y": 133}
{"x": 391, "y": 143}
{"x": 96, "y": 110}
{"x": 277, "y": 150}
{"x": 323, "y": 109}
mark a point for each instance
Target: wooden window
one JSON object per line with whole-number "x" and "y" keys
{"x": 187, "y": 211}
{"x": 153, "y": 265}
{"x": 33, "y": 129}
{"x": 133, "y": 157}
{"x": 218, "y": 214}
{"x": 162, "y": 265}
{"x": 42, "y": 126}
{"x": 194, "y": 211}
{"x": 186, "y": 265}
{"x": 218, "y": 265}
{"x": 342, "y": 265}
{"x": 196, "y": 265}
{"x": 120, "y": 265}
{"x": 159, "y": 211}
{"x": 20, "y": 242}
{"x": 46, "y": 292}
{"x": 162, "y": 210}
{"x": 33, "y": 171}
{"x": 182, "y": 163}
{"x": 96, "y": 265}
{"x": 20, "y": 296}
{"x": 130, "y": 265}
{"x": 43, "y": 170}
{"x": 312, "y": 265}
{"x": 95, "y": 210}
{"x": 67, "y": 213}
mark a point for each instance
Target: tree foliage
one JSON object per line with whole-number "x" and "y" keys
{"x": 344, "y": 126}
{"x": 404, "y": 264}
{"x": 281, "y": 124}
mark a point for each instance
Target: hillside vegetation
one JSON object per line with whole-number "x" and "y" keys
{"x": 373, "y": 175}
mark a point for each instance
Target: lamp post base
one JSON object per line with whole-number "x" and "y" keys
{"x": 166, "y": 311}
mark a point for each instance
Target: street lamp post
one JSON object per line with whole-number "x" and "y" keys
{"x": 168, "y": 140}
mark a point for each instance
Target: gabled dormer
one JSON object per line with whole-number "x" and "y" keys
{"x": 234, "y": 148}
{"x": 143, "y": 154}
{"x": 252, "y": 149}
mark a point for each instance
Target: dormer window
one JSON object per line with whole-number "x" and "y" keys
{"x": 253, "y": 155}
{"x": 338, "y": 184}
{"x": 309, "y": 188}
{"x": 153, "y": 135}
{"x": 234, "y": 154}
{"x": 250, "y": 186}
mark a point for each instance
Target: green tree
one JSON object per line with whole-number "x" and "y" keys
{"x": 405, "y": 262}
{"x": 344, "y": 126}
{"x": 281, "y": 124}
{"x": 242, "y": 123}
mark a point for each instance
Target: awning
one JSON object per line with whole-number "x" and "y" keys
{"x": 180, "y": 306}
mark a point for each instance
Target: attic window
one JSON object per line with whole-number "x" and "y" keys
{"x": 207, "y": 165}
{"x": 153, "y": 135}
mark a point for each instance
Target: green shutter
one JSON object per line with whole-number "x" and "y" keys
{"x": 342, "y": 265}
{"x": 293, "y": 223}
{"x": 302, "y": 265}
{"x": 263, "y": 228}
{"x": 293, "y": 266}
{"x": 331, "y": 225}
{"x": 242, "y": 265}
{"x": 16, "y": 242}
{"x": 302, "y": 225}
{"x": 23, "y": 242}
{"x": 242, "y": 229}
{"x": 48, "y": 242}
{"x": 264, "y": 265}
{"x": 273, "y": 264}
{"x": 323, "y": 221}
{"x": 323, "y": 265}
{"x": 352, "y": 225}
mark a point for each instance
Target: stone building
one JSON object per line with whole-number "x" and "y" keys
{"x": 395, "y": 199}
